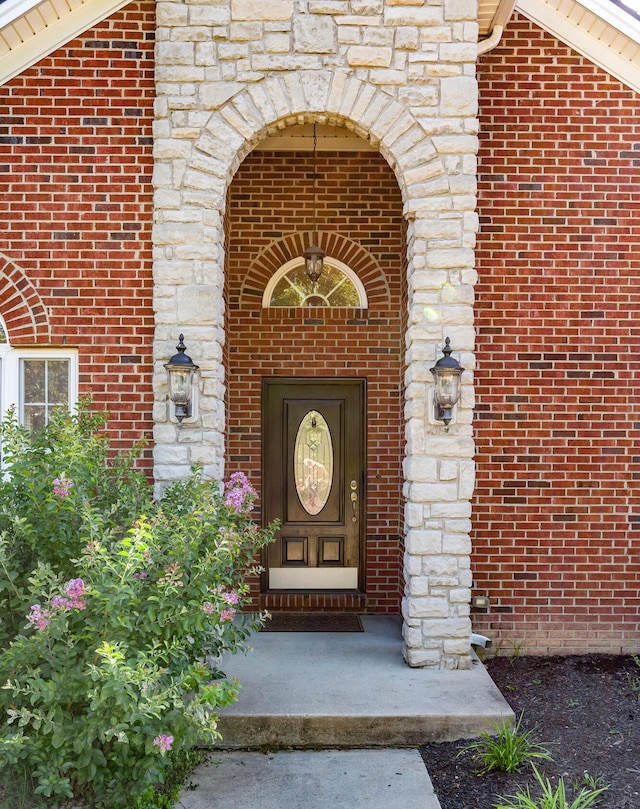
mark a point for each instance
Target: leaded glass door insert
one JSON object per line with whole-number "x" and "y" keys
{"x": 313, "y": 462}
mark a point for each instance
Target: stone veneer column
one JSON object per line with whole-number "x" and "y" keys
{"x": 400, "y": 74}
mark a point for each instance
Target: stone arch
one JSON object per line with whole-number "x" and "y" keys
{"x": 24, "y": 314}
{"x": 340, "y": 247}
{"x": 263, "y": 108}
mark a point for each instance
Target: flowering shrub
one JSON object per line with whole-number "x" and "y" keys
{"x": 114, "y": 665}
{"x": 57, "y": 486}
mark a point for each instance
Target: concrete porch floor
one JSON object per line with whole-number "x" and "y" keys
{"x": 351, "y": 690}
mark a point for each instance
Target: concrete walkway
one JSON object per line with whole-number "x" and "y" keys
{"x": 326, "y": 779}
{"x": 338, "y": 690}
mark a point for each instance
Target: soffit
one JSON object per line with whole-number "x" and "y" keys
{"x": 605, "y": 32}
{"x": 32, "y": 29}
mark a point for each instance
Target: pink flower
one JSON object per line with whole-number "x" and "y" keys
{"x": 62, "y": 486}
{"x": 75, "y": 591}
{"x": 208, "y": 608}
{"x": 38, "y": 617}
{"x": 239, "y": 493}
{"x": 231, "y": 597}
{"x": 164, "y": 742}
{"x": 228, "y": 614}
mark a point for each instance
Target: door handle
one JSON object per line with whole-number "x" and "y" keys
{"x": 354, "y": 501}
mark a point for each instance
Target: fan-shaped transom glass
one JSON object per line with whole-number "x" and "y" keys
{"x": 337, "y": 286}
{"x": 313, "y": 462}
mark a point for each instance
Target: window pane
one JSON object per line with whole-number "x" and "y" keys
{"x": 34, "y": 381}
{"x": 58, "y": 372}
{"x": 34, "y": 417}
{"x": 3, "y": 334}
{"x": 45, "y": 385}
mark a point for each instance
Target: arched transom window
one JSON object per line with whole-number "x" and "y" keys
{"x": 337, "y": 286}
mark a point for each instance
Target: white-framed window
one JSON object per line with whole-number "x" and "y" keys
{"x": 36, "y": 380}
{"x": 337, "y": 286}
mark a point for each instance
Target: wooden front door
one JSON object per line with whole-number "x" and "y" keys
{"x": 313, "y": 482}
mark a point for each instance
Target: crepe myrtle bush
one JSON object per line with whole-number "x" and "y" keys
{"x": 57, "y": 487}
{"x": 114, "y": 667}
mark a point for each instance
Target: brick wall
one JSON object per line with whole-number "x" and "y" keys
{"x": 557, "y": 509}
{"x": 359, "y": 199}
{"x": 76, "y": 207}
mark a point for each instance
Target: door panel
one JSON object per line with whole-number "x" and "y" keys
{"x": 313, "y": 482}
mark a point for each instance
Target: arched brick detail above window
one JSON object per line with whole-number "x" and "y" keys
{"x": 335, "y": 245}
{"x": 24, "y": 314}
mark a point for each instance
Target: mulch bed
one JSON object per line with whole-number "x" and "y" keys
{"x": 587, "y": 708}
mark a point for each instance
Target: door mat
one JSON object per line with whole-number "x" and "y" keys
{"x": 313, "y": 622}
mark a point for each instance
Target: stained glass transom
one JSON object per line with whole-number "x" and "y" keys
{"x": 337, "y": 286}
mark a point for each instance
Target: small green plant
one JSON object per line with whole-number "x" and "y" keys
{"x": 574, "y": 703}
{"x": 517, "y": 650}
{"x": 633, "y": 680}
{"x": 507, "y": 749}
{"x": 590, "y": 781}
{"x": 551, "y": 798}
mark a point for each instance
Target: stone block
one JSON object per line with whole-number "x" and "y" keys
{"x": 175, "y": 53}
{"x": 314, "y": 33}
{"x": 198, "y": 305}
{"x": 458, "y": 96}
{"x": 171, "y": 14}
{"x": 421, "y": 469}
{"x": 451, "y": 628}
{"x": 418, "y": 586}
{"x": 248, "y": 10}
{"x": 369, "y": 56}
{"x": 407, "y": 38}
{"x": 428, "y": 607}
{"x": 413, "y": 515}
{"x": 457, "y": 646}
{"x": 460, "y": 10}
{"x": 459, "y": 595}
{"x": 434, "y": 492}
{"x": 438, "y": 566}
{"x": 209, "y": 14}
{"x": 424, "y": 17}
{"x": 422, "y": 658}
{"x": 456, "y": 544}
{"x": 419, "y": 542}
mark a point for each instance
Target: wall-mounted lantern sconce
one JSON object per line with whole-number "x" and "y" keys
{"x": 180, "y": 371}
{"x": 447, "y": 372}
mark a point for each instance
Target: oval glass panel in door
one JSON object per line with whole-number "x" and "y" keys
{"x": 313, "y": 462}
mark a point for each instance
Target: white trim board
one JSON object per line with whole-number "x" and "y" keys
{"x": 54, "y": 36}
{"x": 585, "y": 43}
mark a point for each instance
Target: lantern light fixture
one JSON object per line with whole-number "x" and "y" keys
{"x": 180, "y": 371}
{"x": 447, "y": 372}
{"x": 314, "y": 255}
